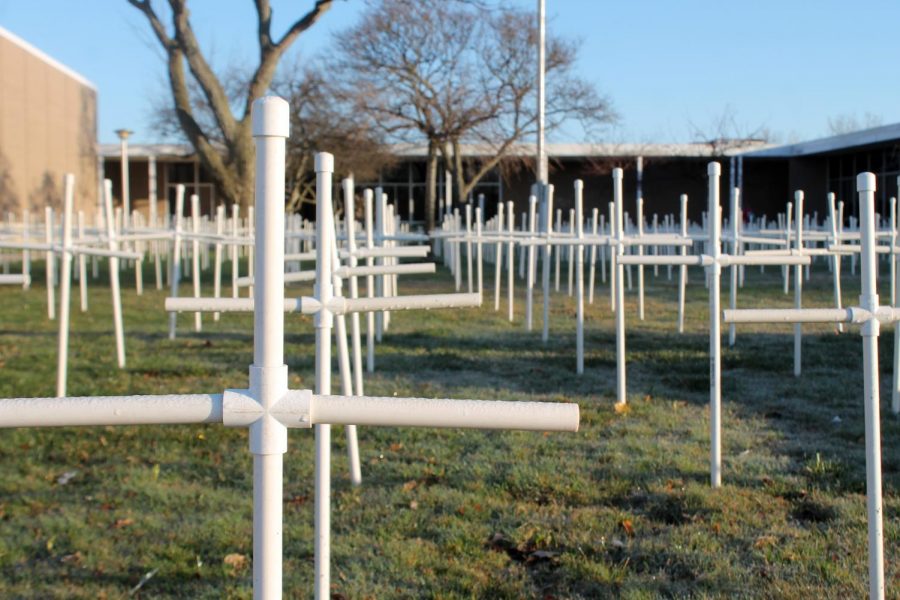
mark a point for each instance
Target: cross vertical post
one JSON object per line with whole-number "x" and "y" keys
{"x": 579, "y": 277}
{"x": 510, "y": 258}
{"x": 714, "y": 271}
{"x": 268, "y": 374}
{"x": 682, "y": 269}
{"x": 869, "y": 315}
{"x": 65, "y": 264}
{"x": 640, "y": 252}
{"x": 798, "y": 279}
{"x": 114, "y": 274}
{"x": 323, "y": 321}
{"x": 547, "y": 191}
{"x": 868, "y": 300}
{"x": 176, "y": 255}
{"x": 618, "y": 282}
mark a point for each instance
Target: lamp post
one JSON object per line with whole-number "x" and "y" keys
{"x": 126, "y": 187}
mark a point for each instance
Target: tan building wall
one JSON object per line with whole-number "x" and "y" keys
{"x": 48, "y": 127}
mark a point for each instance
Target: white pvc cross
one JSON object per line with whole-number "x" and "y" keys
{"x": 267, "y": 407}
{"x": 713, "y": 260}
{"x": 870, "y": 316}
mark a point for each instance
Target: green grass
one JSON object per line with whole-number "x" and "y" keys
{"x": 621, "y": 509}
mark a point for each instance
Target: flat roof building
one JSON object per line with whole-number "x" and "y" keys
{"x": 831, "y": 164}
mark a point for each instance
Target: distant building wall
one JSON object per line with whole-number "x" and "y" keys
{"x": 48, "y": 127}
{"x": 664, "y": 180}
{"x": 170, "y": 171}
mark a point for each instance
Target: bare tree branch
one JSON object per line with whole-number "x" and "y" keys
{"x": 202, "y": 100}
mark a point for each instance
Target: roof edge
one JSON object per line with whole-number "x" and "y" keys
{"x": 43, "y": 56}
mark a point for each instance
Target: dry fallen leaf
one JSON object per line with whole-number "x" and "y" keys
{"x": 764, "y": 541}
{"x": 622, "y": 408}
{"x": 627, "y": 527}
{"x": 410, "y": 485}
{"x": 235, "y": 560}
{"x": 124, "y": 522}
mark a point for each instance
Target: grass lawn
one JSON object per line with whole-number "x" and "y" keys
{"x": 622, "y": 509}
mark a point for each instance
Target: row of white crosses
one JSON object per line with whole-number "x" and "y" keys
{"x": 869, "y": 315}
{"x": 67, "y": 250}
{"x": 500, "y": 237}
{"x": 618, "y": 240}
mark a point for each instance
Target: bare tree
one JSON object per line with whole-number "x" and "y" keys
{"x": 452, "y": 75}
{"x": 724, "y": 132}
{"x": 848, "y": 123}
{"x": 507, "y": 99}
{"x": 221, "y": 134}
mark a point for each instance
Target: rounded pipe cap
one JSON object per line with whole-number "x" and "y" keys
{"x": 865, "y": 182}
{"x": 324, "y": 162}
{"x": 271, "y": 117}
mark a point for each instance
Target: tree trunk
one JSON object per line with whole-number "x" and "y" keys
{"x": 431, "y": 188}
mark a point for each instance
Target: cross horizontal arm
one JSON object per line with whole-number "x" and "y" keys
{"x": 305, "y": 305}
{"x": 744, "y": 259}
{"x": 564, "y": 241}
{"x": 752, "y": 239}
{"x": 308, "y": 305}
{"x": 346, "y": 272}
{"x": 705, "y": 260}
{"x": 791, "y": 252}
{"x": 300, "y": 256}
{"x": 426, "y": 412}
{"x": 412, "y": 302}
{"x": 72, "y": 249}
{"x": 143, "y": 237}
{"x": 855, "y": 249}
{"x": 321, "y": 409}
{"x": 111, "y": 410}
{"x": 407, "y": 269}
{"x": 657, "y": 239}
{"x": 883, "y": 314}
{"x": 690, "y": 261}
{"x": 15, "y": 279}
{"x": 396, "y": 251}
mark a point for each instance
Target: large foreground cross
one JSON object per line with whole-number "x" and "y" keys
{"x": 267, "y": 408}
{"x": 870, "y": 316}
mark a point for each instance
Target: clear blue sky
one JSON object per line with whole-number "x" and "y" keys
{"x": 788, "y": 64}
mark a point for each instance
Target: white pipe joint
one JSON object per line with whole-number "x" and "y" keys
{"x": 871, "y": 326}
{"x": 268, "y": 425}
{"x": 267, "y": 434}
